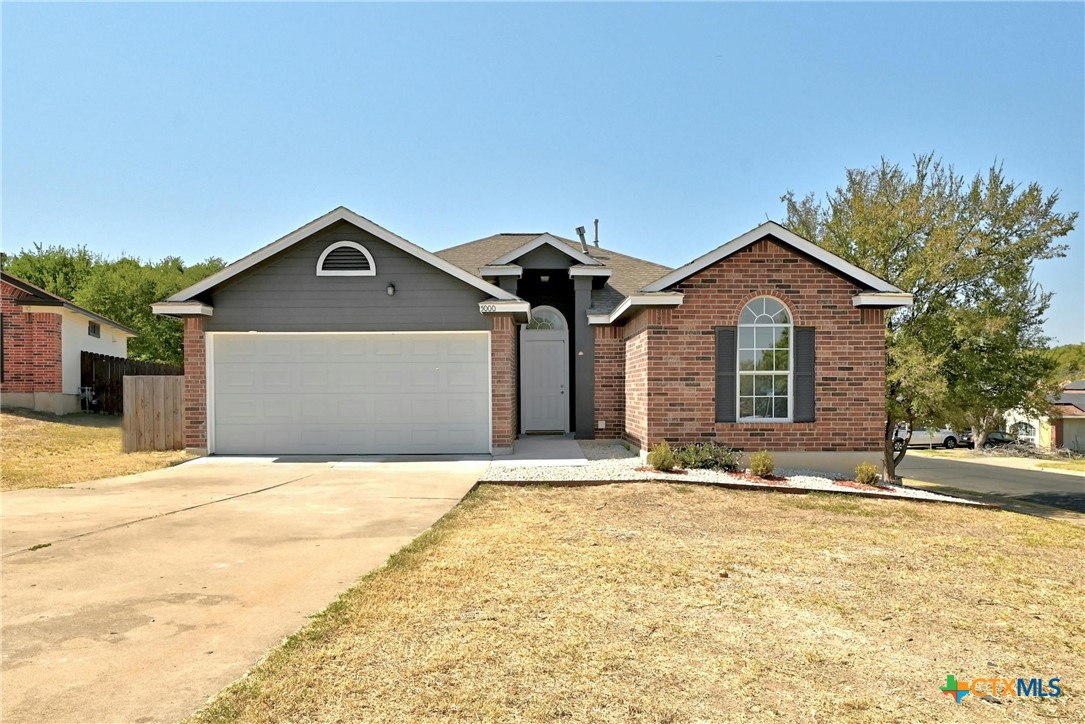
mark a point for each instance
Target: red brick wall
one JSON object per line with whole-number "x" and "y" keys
{"x": 32, "y": 347}
{"x": 680, "y": 353}
{"x": 195, "y": 415}
{"x": 504, "y": 394}
{"x": 609, "y": 382}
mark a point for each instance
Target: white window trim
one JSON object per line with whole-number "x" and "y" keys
{"x": 545, "y": 308}
{"x": 790, "y": 365}
{"x": 322, "y": 272}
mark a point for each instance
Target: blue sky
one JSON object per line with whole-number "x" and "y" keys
{"x": 204, "y": 129}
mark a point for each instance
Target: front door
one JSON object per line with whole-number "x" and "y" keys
{"x": 544, "y": 373}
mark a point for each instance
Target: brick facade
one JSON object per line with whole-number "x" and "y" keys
{"x": 609, "y": 382}
{"x": 32, "y": 347}
{"x": 195, "y": 413}
{"x": 504, "y": 390}
{"x": 671, "y": 365}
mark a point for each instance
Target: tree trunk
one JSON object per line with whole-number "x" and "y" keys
{"x": 980, "y": 439}
{"x": 892, "y": 458}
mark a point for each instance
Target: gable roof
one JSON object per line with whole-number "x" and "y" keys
{"x": 547, "y": 239}
{"x": 341, "y": 213}
{"x": 38, "y": 297}
{"x": 771, "y": 228}
{"x": 628, "y": 273}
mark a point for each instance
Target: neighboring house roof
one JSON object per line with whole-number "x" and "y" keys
{"x": 38, "y": 297}
{"x": 894, "y": 296}
{"x": 1068, "y": 410}
{"x": 628, "y": 273}
{"x": 339, "y": 214}
{"x": 1072, "y": 395}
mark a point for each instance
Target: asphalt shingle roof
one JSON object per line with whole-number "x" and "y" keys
{"x": 629, "y": 274}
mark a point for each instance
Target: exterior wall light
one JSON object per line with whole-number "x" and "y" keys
{"x": 391, "y": 290}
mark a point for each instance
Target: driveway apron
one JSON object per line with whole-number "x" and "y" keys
{"x": 135, "y": 599}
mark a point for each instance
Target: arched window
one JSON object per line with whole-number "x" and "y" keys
{"x": 764, "y": 361}
{"x": 345, "y": 259}
{"x": 546, "y": 318}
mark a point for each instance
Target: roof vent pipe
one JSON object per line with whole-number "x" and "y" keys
{"x": 597, "y": 232}
{"x": 583, "y": 240}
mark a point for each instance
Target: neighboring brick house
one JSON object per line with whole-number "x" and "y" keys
{"x": 342, "y": 337}
{"x": 43, "y": 338}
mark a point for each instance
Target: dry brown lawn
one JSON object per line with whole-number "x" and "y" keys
{"x": 654, "y": 602}
{"x": 46, "y": 451}
{"x": 1076, "y": 466}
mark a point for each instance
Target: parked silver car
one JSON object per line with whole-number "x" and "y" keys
{"x": 926, "y": 437}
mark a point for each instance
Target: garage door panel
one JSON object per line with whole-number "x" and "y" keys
{"x": 423, "y": 348}
{"x": 351, "y": 393}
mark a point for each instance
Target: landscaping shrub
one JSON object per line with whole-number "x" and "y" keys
{"x": 761, "y": 464}
{"x": 662, "y": 457}
{"x": 708, "y": 456}
{"x": 867, "y": 474}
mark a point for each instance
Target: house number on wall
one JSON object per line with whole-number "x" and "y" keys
{"x": 488, "y": 308}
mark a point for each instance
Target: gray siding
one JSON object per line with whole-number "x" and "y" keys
{"x": 545, "y": 257}
{"x": 285, "y": 295}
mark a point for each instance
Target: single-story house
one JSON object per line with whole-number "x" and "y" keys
{"x": 344, "y": 338}
{"x": 1063, "y": 428}
{"x": 44, "y": 337}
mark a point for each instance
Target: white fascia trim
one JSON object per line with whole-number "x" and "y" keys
{"x": 69, "y": 307}
{"x": 340, "y": 214}
{"x": 552, "y": 241}
{"x": 788, "y": 237}
{"x": 882, "y": 299}
{"x": 500, "y": 306}
{"x": 501, "y": 270}
{"x": 174, "y": 308}
{"x": 590, "y": 271}
{"x": 660, "y": 300}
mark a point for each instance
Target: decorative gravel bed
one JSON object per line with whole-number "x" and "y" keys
{"x": 612, "y": 461}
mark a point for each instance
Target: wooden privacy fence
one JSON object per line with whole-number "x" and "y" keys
{"x": 101, "y": 378}
{"x": 153, "y": 406}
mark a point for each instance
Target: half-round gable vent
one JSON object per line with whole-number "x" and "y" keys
{"x": 346, "y": 258}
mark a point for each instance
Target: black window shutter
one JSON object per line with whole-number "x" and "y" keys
{"x": 726, "y": 339}
{"x": 804, "y": 375}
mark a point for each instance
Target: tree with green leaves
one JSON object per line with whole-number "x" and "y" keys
{"x": 964, "y": 248}
{"x": 1069, "y": 361}
{"x": 55, "y": 269}
{"x": 122, "y": 290}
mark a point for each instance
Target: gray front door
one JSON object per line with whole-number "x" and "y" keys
{"x": 544, "y": 372}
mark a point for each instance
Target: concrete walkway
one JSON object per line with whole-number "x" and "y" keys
{"x": 137, "y": 598}
{"x": 533, "y": 451}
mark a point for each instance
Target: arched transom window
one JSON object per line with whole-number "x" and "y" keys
{"x": 764, "y": 361}
{"x": 546, "y": 318}
{"x": 345, "y": 259}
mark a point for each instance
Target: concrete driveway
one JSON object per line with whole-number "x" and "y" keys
{"x": 147, "y": 594}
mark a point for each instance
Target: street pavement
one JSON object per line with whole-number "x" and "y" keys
{"x": 1030, "y": 486}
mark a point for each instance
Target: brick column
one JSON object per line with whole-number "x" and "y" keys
{"x": 195, "y": 416}
{"x": 609, "y": 382}
{"x": 503, "y": 375}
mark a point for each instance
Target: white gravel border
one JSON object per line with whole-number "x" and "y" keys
{"x": 613, "y": 462}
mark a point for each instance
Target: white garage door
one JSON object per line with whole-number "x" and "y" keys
{"x": 350, "y": 394}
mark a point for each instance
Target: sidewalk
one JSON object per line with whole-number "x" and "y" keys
{"x": 1017, "y": 463}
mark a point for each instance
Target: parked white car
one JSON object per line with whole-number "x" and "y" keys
{"x": 928, "y": 437}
